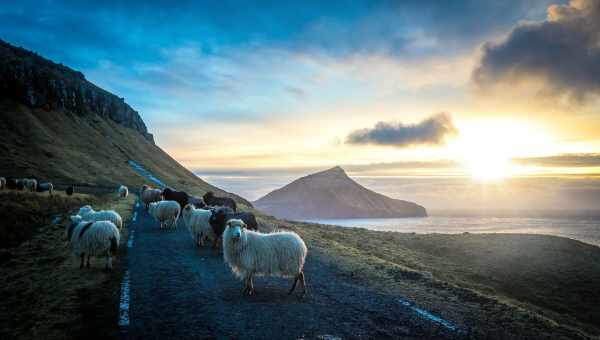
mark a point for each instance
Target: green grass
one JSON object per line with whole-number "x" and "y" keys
{"x": 66, "y": 148}
{"x": 44, "y": 293}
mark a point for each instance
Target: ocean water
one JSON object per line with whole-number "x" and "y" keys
{"x": 585, "y": 230}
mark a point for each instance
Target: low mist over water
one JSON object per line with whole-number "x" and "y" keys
{"x": 585, "y": 230}
{"x": 522, "y": 196}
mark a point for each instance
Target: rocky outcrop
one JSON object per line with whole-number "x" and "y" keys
{"x": 36, "y": 82}
{"x": 332, "y": 194}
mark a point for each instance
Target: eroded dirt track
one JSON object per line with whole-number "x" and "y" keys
{"x": 180, "y": 291}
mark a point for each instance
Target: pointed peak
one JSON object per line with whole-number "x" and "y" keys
{"x": 335, "y": 171}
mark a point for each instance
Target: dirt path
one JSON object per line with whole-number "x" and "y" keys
{"x": 179, "y": 291}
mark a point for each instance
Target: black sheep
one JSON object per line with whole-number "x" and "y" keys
{"x": 221, "y": 215}
{"x": 212, "y": 200}
{"x": 180, "y": 197}
{"x": 70, "y": 190}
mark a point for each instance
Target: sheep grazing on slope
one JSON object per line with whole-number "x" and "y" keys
{"x": 211, "y": 199}
{"x": 165, "y": 211}
{"x": 220, "y": 217}
{"x": 180, "y": 197}
{"x": 46, "y": 186}
{"x": 250, "y": 253}
{"x": 87, "y": 213}
{"x": 99, "y": 238}
{"x": 197, "y": 222}
{"x": 30, "y": 184}
{"x": 2, "y": 183}
{"x": 123, "y": 191}
{"x": 151, "y": 195}
{"x": 70, "y": 190}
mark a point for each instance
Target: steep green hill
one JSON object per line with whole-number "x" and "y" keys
{"x": 57, "y": 126}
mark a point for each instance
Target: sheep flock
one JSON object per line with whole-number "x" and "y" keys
{"x": 247, "y": 251}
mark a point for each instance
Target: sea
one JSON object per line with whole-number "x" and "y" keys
{"x": 581, "y": 229}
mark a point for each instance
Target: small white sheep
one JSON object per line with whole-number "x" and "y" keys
{"x": 151, "y": 195}
{"x": 165, "y": 211}
{"x": 30, "y": 184}
{"x": 250, "y": 253}
{"x": 198, "y": 223}
{"x": 87, "y": 213}
{"x": 89, "y": 238}
{"x": 123, "y": 191}
{"x": 2, "y": 183}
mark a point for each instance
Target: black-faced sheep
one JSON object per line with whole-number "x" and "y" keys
{"x": 211, "y": 199}
{"x": 70, "y": 190}
{"x": 93, "y": 239}
{"x": 165, "y": 211}
{"x": 250, "y": 253}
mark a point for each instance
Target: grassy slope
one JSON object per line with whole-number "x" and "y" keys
{"x": 44, "y": 293}
{"x": 66, "y": 148}
{"x": 498, "y": 285}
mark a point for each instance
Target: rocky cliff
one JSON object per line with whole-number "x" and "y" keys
{"x": 332, "y": 194}
{"x": 29, "y": 79}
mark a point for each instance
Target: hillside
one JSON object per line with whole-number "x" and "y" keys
{"x": 332, "y": 194}
{"x": 60, "y": 127}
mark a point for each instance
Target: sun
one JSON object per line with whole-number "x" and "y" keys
{"x": 485, "y": 149}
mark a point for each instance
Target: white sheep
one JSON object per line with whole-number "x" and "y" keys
{"x": 2, "y": 183}
{"x": 198, "y": 223}
{"x": 30, "y": 184}
{"x": 151, "y": 195}
{"x": 165, "y": 211}
{"x": 123, "y": 191}
{"x": 250, "y": 253}
{"x": 90, "y": 238}
{"x": 87, "y": 213}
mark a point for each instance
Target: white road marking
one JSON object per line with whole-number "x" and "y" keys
{"x": 124, "y": 302}
{"x": 425, "y": 314}
{"x": 130, "y": 240}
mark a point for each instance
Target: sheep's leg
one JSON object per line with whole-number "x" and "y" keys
{"x": 108, "y": 262}
{"x": 82, "y": 259}
{"x": 88, "y": 261}
{"x": 303, "y": 283}
{"x": 294, "y": 285}
{"x": 250, "y": 285}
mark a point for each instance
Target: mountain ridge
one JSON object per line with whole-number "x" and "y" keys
{"x": 39, "y": 83}
{"x": 333, "y": 194}
{"x": 59, "y": 127}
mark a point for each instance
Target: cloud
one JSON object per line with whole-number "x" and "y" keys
{"x": 580, "y": 160}
{"x": 562, "y": 53}
{"x": 433, "y": 131}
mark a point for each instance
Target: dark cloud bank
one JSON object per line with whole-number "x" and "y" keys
{"x": 433, "y": 130}
{"x": 563, "y": 50}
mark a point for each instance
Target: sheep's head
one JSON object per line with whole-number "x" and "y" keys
{"x": 76, "y": 218}
{"x": 85, "y": 209}
{"x": 144, "y": 187}
{"x": 236, "y": 228}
